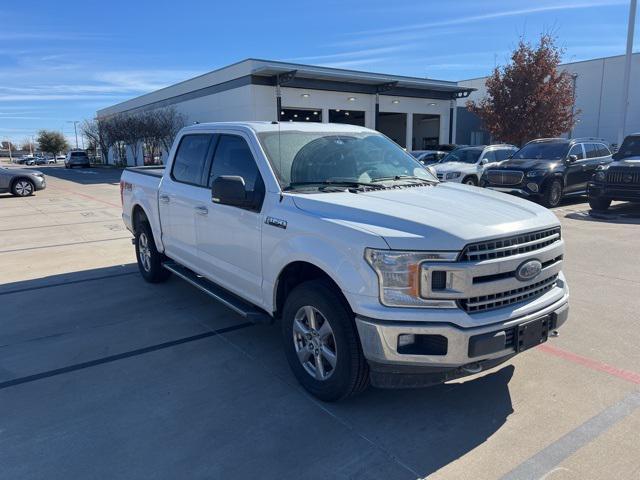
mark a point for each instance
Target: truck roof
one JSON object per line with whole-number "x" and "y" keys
{"x": 281, "y": 126}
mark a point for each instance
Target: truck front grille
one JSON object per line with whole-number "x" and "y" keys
{"x": 505, "y": 177}
{"x": 623, "y": 178}
{"x": 502, "y": 299}
{"x": 506, "y": 247}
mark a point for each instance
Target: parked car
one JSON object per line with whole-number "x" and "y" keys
{"x": 620, "y": 179}
{"x": 62, "y": 158}
{"x": 77, "y": 158}
{"x": 26, "y": 160}
{"x": 354, "y": 246}
{"x": 548, "y": 169}
{"x": 466, "y": 164}
{"x": 429, "y": 157}
{"x": 44, "y": 160}
{"x": 21, "y": 182}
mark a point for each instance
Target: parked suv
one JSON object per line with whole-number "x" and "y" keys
{"x": 620, "y": 179}
{"x": 547, "y": 169}
{"x": 466, "y": 164}
{"x": 77, "y": 158}
{"x": 429, "y": 157}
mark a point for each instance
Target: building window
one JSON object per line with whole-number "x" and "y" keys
{"x": 301, "y": 115}
{"x": 351, "y": 117}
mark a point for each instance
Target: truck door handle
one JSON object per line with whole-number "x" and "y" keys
{"x": 165, "y": 198}
{"x": 202, "y": 210}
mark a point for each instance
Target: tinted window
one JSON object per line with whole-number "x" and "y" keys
{"x": 542, "y": 151}
{"x": 490, "y": 156}
{"x": 504, "y": 153}
{"x": 577, "y": 151}
{"x": 629, "y": 148}
{"x": 78, "y": 154}
{"x": 188, "y": 164}
{"x": 465, "y": 155}
{"x": 603, "y": 150}
{"x": 233, "y": 157}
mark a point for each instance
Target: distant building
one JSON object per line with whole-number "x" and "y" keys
{"x": 598, "y": 91}
{"x": 417, "y": 113}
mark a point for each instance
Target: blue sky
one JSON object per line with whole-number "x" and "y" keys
{"x": 63, "y": 60}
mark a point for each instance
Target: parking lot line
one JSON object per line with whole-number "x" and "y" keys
{"x": 64, "y": 244}
{"x": 627, "y": 375}
{"x": 121, "y": 356}
{"x": 547, "y": 459}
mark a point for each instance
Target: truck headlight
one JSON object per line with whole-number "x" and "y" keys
{"x": 536, "y": 173}
{"x": 399, "y": 276}
{"x": 451, "y": 175}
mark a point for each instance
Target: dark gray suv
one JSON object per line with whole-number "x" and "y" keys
{"x": 77, "y": 158}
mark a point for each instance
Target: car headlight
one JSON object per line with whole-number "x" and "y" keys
{"x": 399, "y": 274}
{"x": 536, "y": 173}
{"x": 451, "y": 175}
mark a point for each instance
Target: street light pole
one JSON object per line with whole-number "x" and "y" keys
{"x": 627, "y": 71}
{"x": 75, "y": 129}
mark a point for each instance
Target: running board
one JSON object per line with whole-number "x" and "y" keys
{"x": 228, "y": 299}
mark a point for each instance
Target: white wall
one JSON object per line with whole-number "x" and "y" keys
{"x": 598, "y": 96}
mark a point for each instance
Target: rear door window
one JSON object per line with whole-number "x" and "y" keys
{"x": 190, "y": 159}
{"x": 592, "y": 150}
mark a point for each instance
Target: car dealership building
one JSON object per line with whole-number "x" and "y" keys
{"x": 417, "y": 113}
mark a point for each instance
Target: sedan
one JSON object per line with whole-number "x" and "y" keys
{"x": 21, "y": 182}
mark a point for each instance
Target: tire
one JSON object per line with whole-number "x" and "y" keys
{"x": 23, "y": 187}
{"x": 470, "y": 180}
{"x": 599, "y": 203}
{"x": 148, "y": 257}
{"x": 552, "y": 195}
{"x": 349, "y": 374}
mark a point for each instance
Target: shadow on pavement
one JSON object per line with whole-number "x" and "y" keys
{"x": 432, "y": 427}
{"x": 623, "y": 213}
{"x": 84, "y": 176}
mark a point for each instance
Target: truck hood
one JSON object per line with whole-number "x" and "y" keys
{"x": 454, "y": 167}
{"x": 446, "y": 216}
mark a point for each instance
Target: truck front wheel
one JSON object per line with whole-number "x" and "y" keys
{"x": 321, "y": 342}
{"x": 149, "y": 259}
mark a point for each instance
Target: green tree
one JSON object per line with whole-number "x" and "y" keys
{"x": 531, "y": 97}
{"x": 52, "y": 142}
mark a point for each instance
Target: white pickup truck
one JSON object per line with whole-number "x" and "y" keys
{"x": 377, "y": 272}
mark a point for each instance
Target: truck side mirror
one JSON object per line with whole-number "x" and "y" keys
{"x": 229, "y": 190}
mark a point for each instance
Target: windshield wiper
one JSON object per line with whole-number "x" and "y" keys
{"x": 333, "y": 183}
{"x": 403, "y": 177}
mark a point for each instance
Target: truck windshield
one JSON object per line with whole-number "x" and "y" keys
{"x": 307, "y": 158}
{"x": 542, "y": 151}
{"x": 464, "y": 155}
{"x": 629, "y": 148}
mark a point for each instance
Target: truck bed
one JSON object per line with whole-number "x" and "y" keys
{"x": 153, "y": 170}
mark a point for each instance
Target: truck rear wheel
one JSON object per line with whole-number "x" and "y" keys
{"x": 149, "y": 259}
{"x": 321, "y": 342}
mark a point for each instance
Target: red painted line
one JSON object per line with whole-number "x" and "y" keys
{"x": 627, "y": 375}
{"x": 90, "y": 197}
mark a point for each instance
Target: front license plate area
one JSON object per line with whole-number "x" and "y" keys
{"x": 533, "y": 333}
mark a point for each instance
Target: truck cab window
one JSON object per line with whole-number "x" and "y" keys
{"x": 234, "y": 158}
{"x": 190, "y": 159}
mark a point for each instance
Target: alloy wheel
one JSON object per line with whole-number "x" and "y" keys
{"x": 144, "y": 252}
{"x": 24, "y": 188}
{"x": 314, "y": 342}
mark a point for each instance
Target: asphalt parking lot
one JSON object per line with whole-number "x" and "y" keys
{"x": 105, "y": 376}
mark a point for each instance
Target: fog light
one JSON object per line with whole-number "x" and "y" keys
{"x": 406, "y": 339}
{"x": 532, "y": 186}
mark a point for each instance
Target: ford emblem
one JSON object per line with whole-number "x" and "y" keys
{"x": 528, "y": 270}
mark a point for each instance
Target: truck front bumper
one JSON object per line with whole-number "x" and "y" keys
{"x": 412, "y": 354}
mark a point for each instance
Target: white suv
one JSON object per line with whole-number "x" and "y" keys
{"x": 466, "y": 164}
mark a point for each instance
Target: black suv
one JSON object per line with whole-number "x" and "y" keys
{"x": 547, "y": 169}
{"x": 620, "y": 179}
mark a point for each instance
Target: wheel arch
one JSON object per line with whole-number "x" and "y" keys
{"x": 295, "y": 273}
{"x": 138, "y": 215}
{"x": 20, "y": 177}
